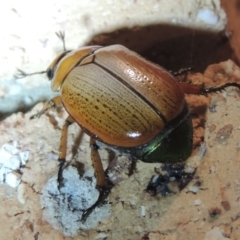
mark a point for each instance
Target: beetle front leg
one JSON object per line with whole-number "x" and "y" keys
{"x": 54, "y": 102}
{"x": 103, "y": 184}
{"x": 63, "y": 149}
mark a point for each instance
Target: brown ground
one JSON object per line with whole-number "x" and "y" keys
{"x": 211, "y": 213}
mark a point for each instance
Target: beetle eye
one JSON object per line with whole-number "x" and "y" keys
{"x": 49, "y": 73}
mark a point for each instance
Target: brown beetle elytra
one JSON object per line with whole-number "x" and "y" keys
{"x": 114, "y": 94}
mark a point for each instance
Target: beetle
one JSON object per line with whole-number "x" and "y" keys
{"x": 124, "y": 103}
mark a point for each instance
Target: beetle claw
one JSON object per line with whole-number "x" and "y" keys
{"x": 38, "y": 115}
{"x": 20, "y": 74}
{"x": 104, "y": 193}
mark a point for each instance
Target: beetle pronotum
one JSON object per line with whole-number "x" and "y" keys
{"x": 123, "y": 102}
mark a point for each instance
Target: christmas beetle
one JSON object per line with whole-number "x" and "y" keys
{"x": 124, "y": 103}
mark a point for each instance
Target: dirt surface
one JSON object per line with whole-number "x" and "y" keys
{"x": 208, "y": 207}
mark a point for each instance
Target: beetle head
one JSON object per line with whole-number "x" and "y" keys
{"x": 53, "y": 66}
{"x": 64, "y": 63}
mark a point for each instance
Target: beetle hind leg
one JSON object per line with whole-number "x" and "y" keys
{"x": 206, "y": 91}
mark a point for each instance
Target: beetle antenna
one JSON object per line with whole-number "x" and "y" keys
{"x": 61, "y": 35}
{"x": 22, "y": 74}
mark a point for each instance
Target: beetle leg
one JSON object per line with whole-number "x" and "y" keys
{"x": 103, "y": 184}
{"x": 191, "y": 88}
{"x": 132, "y": 167}
{"x": 54, "y": 102}
{"x": 205, "y": 91}
{"x": 63, "y": 149}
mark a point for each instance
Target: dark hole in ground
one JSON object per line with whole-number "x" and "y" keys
{"x": 170, "y": 46}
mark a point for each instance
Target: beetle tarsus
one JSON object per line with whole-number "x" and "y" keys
{"x": 206, "y": 91}
{"x": 38, "y": 115}
{"x": 104, "y": 193}
{"x": 60, "y": 179}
